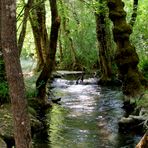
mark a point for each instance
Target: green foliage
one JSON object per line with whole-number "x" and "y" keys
{"x": 4, "y": 96}
{"x": 144, "y": 66}
{"x": 143, "y": 102}
{"x": 82, "y": 31}
{"x": 30, "y": 87}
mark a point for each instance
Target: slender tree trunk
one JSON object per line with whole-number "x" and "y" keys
{"x": 103, "y": 40}
{"x": 50, "y": 58}
{"x": 36, "y": 34}
{"x": 14, "y": 74}
{"x": 24, "y": 25}
{"x": 134, "y": 14}
{"x": 38, "y": 23}
{"x": 60, "y": 47}
{"x": 126, "y": 56}
{"x": 67, "y": 35}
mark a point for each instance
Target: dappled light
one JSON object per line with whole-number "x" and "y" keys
{"x": 73, "y": 73}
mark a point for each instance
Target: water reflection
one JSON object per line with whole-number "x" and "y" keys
{"x": 87, "y": 118}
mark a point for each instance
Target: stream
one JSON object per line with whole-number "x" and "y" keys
{"x": 87, "y": 117}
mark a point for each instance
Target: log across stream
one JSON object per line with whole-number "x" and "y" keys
{"x": 87, "y": 117}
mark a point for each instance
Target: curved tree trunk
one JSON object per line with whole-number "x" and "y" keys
{"x": 103, "y": 40}
{"x": 126, "y": 56}
{"x": 22, "y": 131}
{"x": 50, "y": 58}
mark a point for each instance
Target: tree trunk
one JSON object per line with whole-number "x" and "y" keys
{"x": 60, "y": 47}
{"x": 67, "y": 35}
{"x": 126, "y": 56}
{"x": 14, "y": 74}
{"x": 24, "y": 25}
{"x": 36, "y": 34}
{"x": 134, "y": 14}
{"x": 103, "y": 40}
{"x": 2, "y": 67}
{"x": 38, "y": 24}
{"x": 50, "y": 58}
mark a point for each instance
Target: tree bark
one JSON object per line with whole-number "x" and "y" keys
{"x": 14, "y": 74}
{"x": 126, "y": 56}
{"x": 50, "y": 58}
{"x": 103, "y": 41}
{"x": 134, "y": 14}
{"x": 38, "y": 24}
{"x": 36, "y": 34}
{"x": 2, "y": 70}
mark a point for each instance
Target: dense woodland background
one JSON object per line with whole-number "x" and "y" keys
{"x": 108, "y": 38}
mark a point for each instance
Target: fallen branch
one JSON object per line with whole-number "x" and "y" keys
{"x": 143, "y": 142}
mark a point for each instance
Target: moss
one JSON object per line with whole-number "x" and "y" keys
{"x": 121, "y": 29}
{"x": 132, "y": 85}
{"x": 143, "y": 102}
{"x": 111, "y": 4}
{"x": 115, "y": 15}
{"x": 6, "y": 121}
{"x": 127, "y": 56}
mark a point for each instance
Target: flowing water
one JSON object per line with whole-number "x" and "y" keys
{"x": 87, "y": 117}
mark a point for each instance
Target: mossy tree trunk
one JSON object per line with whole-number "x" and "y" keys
{"x": 38, "y": 24}
{"x": 50, "y": 58}
{"x": 103, "y": 41}
{"x": 126, "y": 56}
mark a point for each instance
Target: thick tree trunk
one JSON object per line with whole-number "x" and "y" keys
{"x": 14, "y": 74}
{"x": 103, "y": 40}
{"x": 50, "y": 58}
{"x": 24, "y": 25}
{"x": 126, "y": 56}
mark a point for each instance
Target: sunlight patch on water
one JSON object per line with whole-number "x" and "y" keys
{"x": 83, "y": 89}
